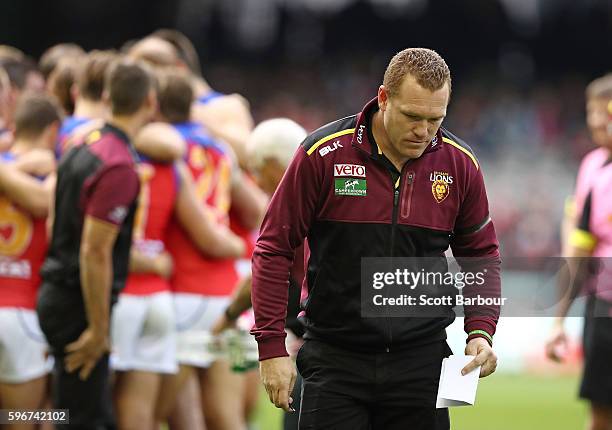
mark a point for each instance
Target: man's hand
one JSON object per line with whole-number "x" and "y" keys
{"x": 485, "y": 357}
{"x": 6, "y": 140}
{"x": 85, "y": 352}
{"x": 278, "y": 376}
{"x": 222, "y": 324}
{"x": 164, "y": 265}
{"x": 556, "y": 346}
{"x": 36, "y": 162}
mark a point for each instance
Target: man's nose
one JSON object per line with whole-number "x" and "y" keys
{"x": 420, "y": 129}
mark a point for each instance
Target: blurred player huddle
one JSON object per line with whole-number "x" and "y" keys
{"x": 204, "y": 184}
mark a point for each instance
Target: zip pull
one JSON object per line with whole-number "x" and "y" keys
{"x": 408, "y": 190}
{"x": 396, "y": 197}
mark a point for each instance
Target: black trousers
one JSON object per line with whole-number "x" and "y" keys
{"x": 351, "y": 390}
{"x": 62, "y": 320}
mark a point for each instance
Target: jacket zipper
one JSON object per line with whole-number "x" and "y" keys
{"x": 407, "y": 203}
{"x": 396, "y": 200}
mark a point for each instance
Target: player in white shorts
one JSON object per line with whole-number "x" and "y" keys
{"x": 23, "y": 348}
{"x": 24, "y": 205}
{"x": 143, "y": 327}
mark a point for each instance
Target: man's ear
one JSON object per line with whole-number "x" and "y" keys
{"x": 106, "y": 98}
{"x": 383, "y": 98}
{"x": 50, "y": 134}
{"x": 74, "y": 92}
{"x": 152, "y": 101}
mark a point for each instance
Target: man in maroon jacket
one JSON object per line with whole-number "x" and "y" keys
{"x": 387, "y": 182}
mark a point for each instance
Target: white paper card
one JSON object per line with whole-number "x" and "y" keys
{"x": 456, "y": 389}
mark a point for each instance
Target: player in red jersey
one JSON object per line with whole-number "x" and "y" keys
{"x": 232, "y": 122}
{"x": 143, "y": 328}
{"x": 226, "y": 117}
{"x": 24, "y": 202}
{"x": 197, "y": 277}
{"x": 143, "y": 323}
{"x": 6, "y": 136}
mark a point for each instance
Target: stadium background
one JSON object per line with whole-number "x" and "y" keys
{"x": 519, "y": 71}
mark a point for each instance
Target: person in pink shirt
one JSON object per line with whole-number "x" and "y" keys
{"x": 591, "y": 236}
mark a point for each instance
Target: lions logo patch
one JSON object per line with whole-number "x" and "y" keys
{"x": 440, "y": 185}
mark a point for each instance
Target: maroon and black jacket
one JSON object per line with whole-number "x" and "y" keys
{"x": 400, "y": 218}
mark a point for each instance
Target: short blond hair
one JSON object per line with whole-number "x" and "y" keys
{"x": 276, "y": 139}
{"x": 425, "y": 65}
{"x": 600, "y": 88}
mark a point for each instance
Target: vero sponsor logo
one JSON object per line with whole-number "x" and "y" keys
{"x": 349, "y": 170}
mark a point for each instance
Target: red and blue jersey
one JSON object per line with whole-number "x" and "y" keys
{"x": 65, "y": 134}
{"x": 211, "y": 168}
{"x": 23, "y": 244}
{"x": 159, "y": 187}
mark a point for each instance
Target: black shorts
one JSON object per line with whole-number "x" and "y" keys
{"x": 596, "y": 383}
{"x": 351, "y": 390}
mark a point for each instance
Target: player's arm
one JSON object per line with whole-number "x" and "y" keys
{"x": 29, "y": 193}
{"x": 568, "y": 223}
{"x": 578, "y": 243}
{"x": 160, "y": 142}
{"x": 228, "y": 118}
{"x": 211, "y": 238}
{"x": 110, "y": 198}
{"x": 51, "y": 215}
{"x": 36, "y": 162}
{"x": 96, "y": 265}
{"x": 248, "y": 201}
{"x": 160, "y": 264}
{"x": 241, "y": 301}
{"x": 571, "y": 279}
{"x": 578, "y": 247}
{"x": 6, "y": 140}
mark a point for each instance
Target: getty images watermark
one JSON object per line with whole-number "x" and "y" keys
{"x": 406, "y": 278}
{"x": 440, "y": 287}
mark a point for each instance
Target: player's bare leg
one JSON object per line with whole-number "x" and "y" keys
{"x": 187, "y": 411}
{"x": 601, "y": 417}
{"x": 28, "y": 395}
{"x": 222, "y": 391}
{"x": 135, "y": 397}
{"x": 251, "y": 393}
{"x": 166, "y": 398}
{"x": 47, "y": 404}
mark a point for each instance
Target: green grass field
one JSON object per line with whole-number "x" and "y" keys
{"x": 504, "y": 402}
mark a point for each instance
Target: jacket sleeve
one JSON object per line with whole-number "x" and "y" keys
{"x": 285, "y": 225}
{"x": 476, "y": 248}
